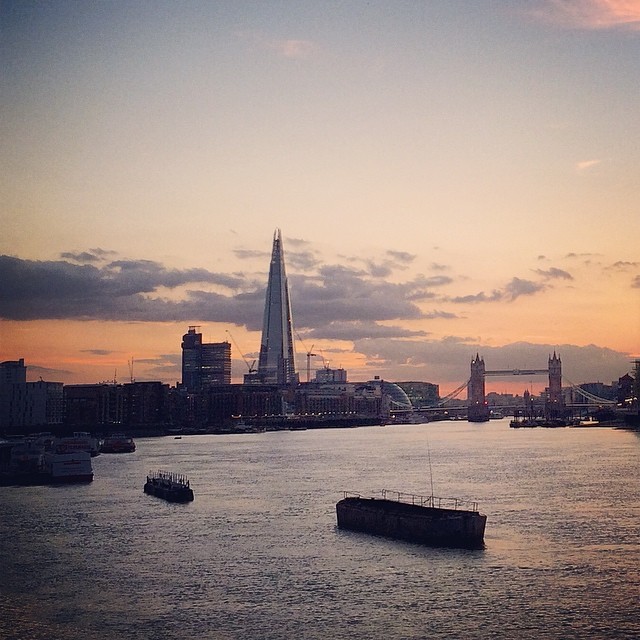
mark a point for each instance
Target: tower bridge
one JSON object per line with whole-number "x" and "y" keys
{"x": 478, "y": 409}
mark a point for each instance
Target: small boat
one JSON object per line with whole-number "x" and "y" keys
{"x": 117, "y": 443}
{"x": 173, "y": 487}
{"x": 427, "y": 520}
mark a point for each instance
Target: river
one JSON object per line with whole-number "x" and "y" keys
{"x": 258, "y": 555}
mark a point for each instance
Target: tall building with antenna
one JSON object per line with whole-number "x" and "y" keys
{"x": 276, "y": 364}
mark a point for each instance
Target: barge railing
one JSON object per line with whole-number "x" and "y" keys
{"x": 434, "y": 502}
{"x": 170, "y": 477}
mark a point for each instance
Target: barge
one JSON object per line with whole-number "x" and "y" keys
{"x": 173, "y": 487}
{"x": 427, "y": 520}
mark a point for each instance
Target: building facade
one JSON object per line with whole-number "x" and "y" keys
{"x": 204, "y": 364}
{"x": 276, "y": 364}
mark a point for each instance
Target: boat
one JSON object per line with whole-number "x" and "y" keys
{"x": 74, "y": 466}
{"x": 79, "y": 441}
{"x": 32, "y": 462}
{"x": 117, "y": 443}
{"x": 427, "y": 520}
{"x": 170, "y": 486}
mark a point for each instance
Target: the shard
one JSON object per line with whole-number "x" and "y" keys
{"x": 276, "y": 364}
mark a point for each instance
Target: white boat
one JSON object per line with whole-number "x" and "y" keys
{"x": 68, "y": 467}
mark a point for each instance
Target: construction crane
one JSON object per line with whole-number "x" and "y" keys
{"x": 310, "y": 355}
{"x": 251, "y": 366}
{"x": 131, "y": 378}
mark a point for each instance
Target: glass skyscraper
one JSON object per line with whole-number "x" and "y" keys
{"x": 276, "y": 364}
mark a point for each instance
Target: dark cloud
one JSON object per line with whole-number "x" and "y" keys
{"x": 511, "y": 291}
{"x": 85, "y": 256}
{"x": 358, "y": 329}
{"x": 134, "y": 290}
{"x": 432, "y": 315}
{"x": 348, "y": 294}
{"x": 401, "y": 256}
{"x": 380, "y": 270}
{"x": 581, "y": 255}
{"x": 554, "y": 272}
{"x": 91, "y": 256}
{"x": 435, "y": 266}
{"x": 623, "y": 265}
{"x": 478, "y": 297}
{"x": 449, "y": 359}
{"x": 519, "y": 287}
{"x": 97, "y": 352}
{"x": 303, "y": 260}
{"x": 250, "y": 254}
{"x": 121, "y": 290}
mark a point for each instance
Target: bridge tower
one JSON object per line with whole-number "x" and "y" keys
{"x": 555, "y": 401}
{"x": 478, "y": 410}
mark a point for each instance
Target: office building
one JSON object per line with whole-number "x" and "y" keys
{"x": 204, "y": 364}
{"x": 276, "y": 364}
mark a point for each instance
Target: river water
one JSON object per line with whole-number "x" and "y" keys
{"x": 258, "y": 554}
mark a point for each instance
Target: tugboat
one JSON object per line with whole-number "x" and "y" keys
{"x": 173, "y": 487}
{"x": 427, "y": 520}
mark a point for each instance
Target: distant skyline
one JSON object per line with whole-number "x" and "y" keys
{"x": 450, "y": 178}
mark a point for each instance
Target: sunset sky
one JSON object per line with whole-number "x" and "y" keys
{"x": 450, "y": 177}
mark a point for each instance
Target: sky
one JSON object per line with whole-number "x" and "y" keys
{"x": 450, "y": 178}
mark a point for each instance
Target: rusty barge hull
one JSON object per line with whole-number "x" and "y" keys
{"x": 424, "y": 525}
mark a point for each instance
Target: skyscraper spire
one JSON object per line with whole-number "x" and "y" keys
{"x": 276, "y": 364}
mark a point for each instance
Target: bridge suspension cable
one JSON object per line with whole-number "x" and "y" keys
{"x": 589, "y": 396}
{"x": 453, "y": 394}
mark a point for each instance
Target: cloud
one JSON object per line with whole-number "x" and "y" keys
{"x": 251, "y": 254}
{"x": 519, "y": 287}
{"x": 147, "y": 291}
{"x": 298, "y": 49}
{"x": 554, "y": 272}
{"x": 511, "y": 291}
{"x": 358, "y": 329}
{"x": 97, "y": 352}
{"x": 587, "y": 164}
{"x": 589, "y": 14}
{"x": 303, "y": 260}
{"x": 401, "y": 256}
{"x": 449, "y": 359}
{"x": 478, "y": 297}
{"x": 441, "y": 314}
{"x": 84, "y": 256}
{"x": 636, "y": 282}
{"x": 121, "y": 290}
{"x": 623, "y": 265}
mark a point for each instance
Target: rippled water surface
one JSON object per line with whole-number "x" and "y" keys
{"x": 258, "y": 555}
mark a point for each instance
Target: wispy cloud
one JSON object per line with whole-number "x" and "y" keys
{"x": 554, "y": 272}
{"x": 511, "y": 291}
{"x": 589, "y": 14}
{"x": 636, "y": 282}
{"x": 587, "y": 164}
{"x": 293, "y": 48}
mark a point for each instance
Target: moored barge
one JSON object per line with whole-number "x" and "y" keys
{"x": 427, "y": 520}
{"x": 173, "y": 487}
